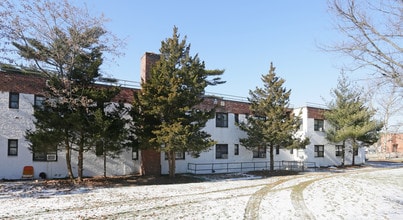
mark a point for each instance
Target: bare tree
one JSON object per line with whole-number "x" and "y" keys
{"x": 389, "y": 104}
{"x": 47, "y": 21}
{"x": 374, "y": 36}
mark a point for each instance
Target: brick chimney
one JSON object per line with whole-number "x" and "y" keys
{"x": 147, "y": 61}
{"x": 150, "y": 159}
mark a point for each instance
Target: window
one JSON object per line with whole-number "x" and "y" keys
{"x": 236, "y": 149}
{"x": 12, "y": 147}
{"x": 236, "y": 118}
{"x": 394, "y": 148}
{"x": 135, "y": 153}
{"x": 45, "y": 156}
{"x": 39, "y": 100}
{"x": 221, "y": 120}
{"x": 178, "y": 156}
{"x": 318, "y": 125}
{"x": 261, "y": 118}
{"x": 339, "y": 150}
{"x": 99, "y": 149}
{"x": 277, "y": 150}
{"x": 301, "y": 124}
{"x": 319, "y": 150}
{"x": 355, "y": 151}
{"x": 260, "y": 152}
{"x": 221, "y": 151}
{"x": 14, "y": 100}
{"x": 292, "y": 151}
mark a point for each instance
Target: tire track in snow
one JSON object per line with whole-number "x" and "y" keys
{"x": 297, "y": 198}
{"x": 253, "y": 205}
{"x": 174, "y": 201}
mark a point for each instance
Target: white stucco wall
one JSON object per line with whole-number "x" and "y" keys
{"x": 319, "y": 138}
{"x": 231, "y": 137}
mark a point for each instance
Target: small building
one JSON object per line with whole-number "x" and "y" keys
{"x": 390, "y": 145}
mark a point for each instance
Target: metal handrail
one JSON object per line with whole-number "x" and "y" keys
{"x": 232, "y": 167}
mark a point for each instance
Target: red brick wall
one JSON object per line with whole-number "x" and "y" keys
{"x": 316, "y": 113}
{"x": 225, "y": 105}
{"x": 33, "y": 84}
{"x": 21, "y": 83}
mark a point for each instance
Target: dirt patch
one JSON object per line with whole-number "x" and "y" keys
{"x": 268, "y": 173}
{"x": 137, "y": 180}
{"x": 121, "y": 181}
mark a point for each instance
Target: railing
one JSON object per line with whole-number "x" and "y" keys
{"x": 242, "y": 167}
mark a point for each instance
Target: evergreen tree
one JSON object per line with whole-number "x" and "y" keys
{"x": 164, "y": 114}
{"x": 74, "y": 104}
{"x": 349, "y": 119}
{"x": 110, "y": 126}
{"x": 272, "y": 123}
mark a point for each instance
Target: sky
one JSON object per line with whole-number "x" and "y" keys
{"x": 241, "y": 37}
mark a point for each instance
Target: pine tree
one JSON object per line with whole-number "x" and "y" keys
{"x": 73, "y": 104}
{"x": 111, "y": 134}
{"x": 272, "y": 123}
{"x": 349, "y": 119}
{"x": 164, "y": 113}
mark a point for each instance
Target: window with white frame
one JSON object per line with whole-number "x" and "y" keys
{"x": 44, "y": 156}
{"x": 339, "y": 150}
{"x": 236, "y": 149}
{"x": 319, "y": 150}
{"x": 178, "y": 155}
{"x": 39, "y": 100}
{"x": 14, "y": 101}
{"x": 12, "y": 147}
{"x": 135, "y": 153}
{"x": 301, "y": 124}
{"x": 259, "y": 152}
{"x": 318, "y": 125}
{"x": 236, "y": 118}
{"x": 221, "y": 151}
{"x": 355, "y": 151}
{"x": 221, "y": 120}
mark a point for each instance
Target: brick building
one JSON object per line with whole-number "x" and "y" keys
{"x": 19, "y": 92}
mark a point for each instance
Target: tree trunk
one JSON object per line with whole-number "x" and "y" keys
{"x": 343, "y": 153}
{"x": 80, "y": 161}
{"x": 104, "y": 154}
{"x": 68, "y": 159}
{"x": 171, "y": 162}
{"x": 271, "y": 158}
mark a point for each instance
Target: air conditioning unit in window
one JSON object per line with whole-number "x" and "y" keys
{"x": 51, "y": 157}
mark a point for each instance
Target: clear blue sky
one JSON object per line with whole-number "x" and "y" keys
{"x": 242, "y": 37}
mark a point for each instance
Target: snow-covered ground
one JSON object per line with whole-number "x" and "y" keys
{"x": 365, "y": 193}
